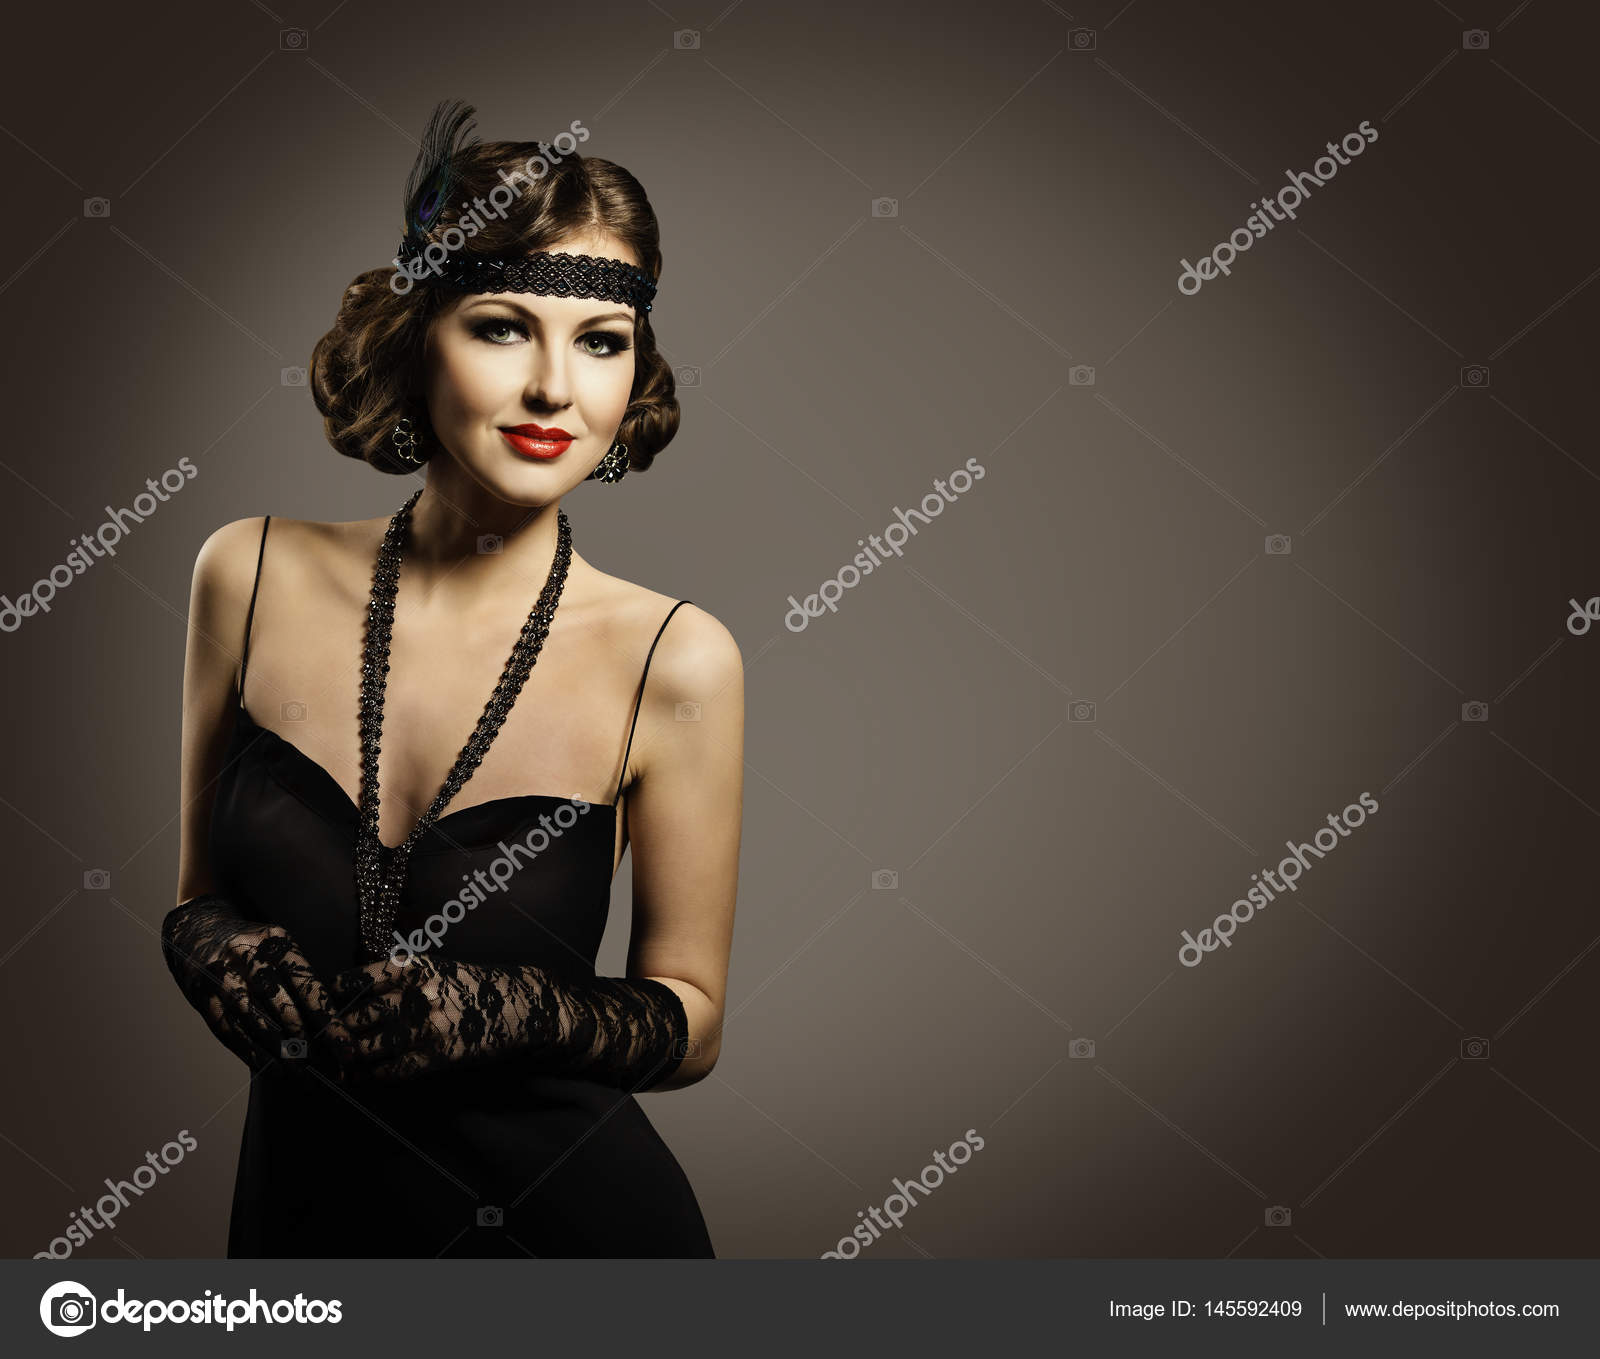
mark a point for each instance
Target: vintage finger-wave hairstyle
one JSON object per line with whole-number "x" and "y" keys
{"x": 367, "y": 372}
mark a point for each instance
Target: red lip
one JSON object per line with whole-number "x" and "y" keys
{"x": 529, "y": 441}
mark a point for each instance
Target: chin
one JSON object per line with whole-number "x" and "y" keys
{"x": 531, "y": 484}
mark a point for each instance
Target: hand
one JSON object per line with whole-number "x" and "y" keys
{"x": 430, "y": 1012}
{"x": 250, "y": 982}
{"x": 278, "y": 995}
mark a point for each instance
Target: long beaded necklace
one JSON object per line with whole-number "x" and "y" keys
{"x": 378, "y": 891}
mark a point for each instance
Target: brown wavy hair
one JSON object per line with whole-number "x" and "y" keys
{"x": 367, "y": 372}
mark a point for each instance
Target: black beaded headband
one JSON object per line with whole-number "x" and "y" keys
{"x": 445, "y": 267}
{"x": 558, "y": 275}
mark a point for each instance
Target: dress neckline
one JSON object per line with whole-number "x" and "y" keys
{"x": 334, "y": 797}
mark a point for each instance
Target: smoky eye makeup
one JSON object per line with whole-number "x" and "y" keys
{"x": 490, "y": 329}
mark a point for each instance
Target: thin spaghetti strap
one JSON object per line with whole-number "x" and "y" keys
{"x": 640, "y": 699}
{"x": 250, "y": 617}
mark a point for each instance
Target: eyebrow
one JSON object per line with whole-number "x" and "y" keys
{"x": 529, "y": 312}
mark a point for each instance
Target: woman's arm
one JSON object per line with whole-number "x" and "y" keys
{"x": 248, "y": 980}
{"x": 219, "y": 597}
{"x": 684, "y": 821}
{"x": 660, "y": 1026}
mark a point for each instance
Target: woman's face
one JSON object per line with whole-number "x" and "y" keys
{"x": 506, "y": 368}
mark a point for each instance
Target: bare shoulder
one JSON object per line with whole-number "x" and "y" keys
{"x": 302, "y": 550}
{"x": 695, "y": 653}
{"x": 697, "y": 656}
{"x": 692, "y": 706}
{"x": 225, "y": 570}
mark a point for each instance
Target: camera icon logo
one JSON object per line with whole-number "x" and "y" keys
{"x": 97, "y": 207}
{"x": 292, "y": 1048}
{"x": 1080, "y": 1048}
{"x": 292, "y": 40}
{"x": 1474, "y": 1049}
{"x": 885, "y": 880}
{"x": 292, "y": 711}
{"x": 1475, "y": 39}
{"x": 1474, "y": 375}
{"x": 686, "y": 376}
{"x": 96, "y": 880}
{"x": 292, "y": 377}
{"x": 1278, "y": 545}
{"x": 1278, "y": 1216}
{"x": 1081, "y": 711}
{"x": 489, "y": 544}
{"x": 67, "y": 1308}
{"x": 686, "y": 39}
{"x": 885, "y": 207}
{"x": 491, "y": 1217}
{"x": 687, "y": 1047}
{"x": 1083, "y": 39}
{"x": 1475, "y": 712}
{"x": 686, "y": 712}
{"x": 1080, "y": 375}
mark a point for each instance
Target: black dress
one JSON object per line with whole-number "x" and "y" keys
{"x": 474, "y": 1162}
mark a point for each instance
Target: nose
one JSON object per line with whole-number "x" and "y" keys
{"x": 549, "y": 379}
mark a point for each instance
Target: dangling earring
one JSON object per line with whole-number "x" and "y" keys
{"x": 613, "y": 467}
{"x": 404, "y": 437}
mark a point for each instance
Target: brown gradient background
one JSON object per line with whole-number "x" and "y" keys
{"x": 1113, "y": 554}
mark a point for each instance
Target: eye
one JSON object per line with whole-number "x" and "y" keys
{"x": 614, "y": 343}
{"x": 486, "y": 328}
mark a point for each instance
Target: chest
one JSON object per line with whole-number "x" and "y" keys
{"x": 563, "y": 735}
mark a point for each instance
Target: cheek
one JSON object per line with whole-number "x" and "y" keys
{"x": 468, "y": 386}
{"x": 609, "y": 385}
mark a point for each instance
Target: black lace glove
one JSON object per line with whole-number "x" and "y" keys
{"x": 250, "y": 982}
{"x": 432, "y": 1012}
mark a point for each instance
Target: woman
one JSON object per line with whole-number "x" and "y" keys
{"x": 435, "y": 1068}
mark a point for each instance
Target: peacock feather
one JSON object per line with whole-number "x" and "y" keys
{"x": 431, "y": 183}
